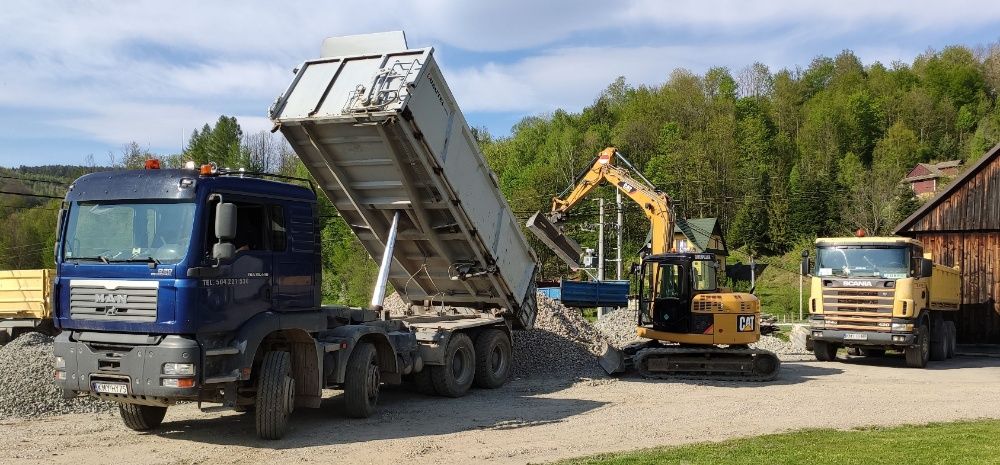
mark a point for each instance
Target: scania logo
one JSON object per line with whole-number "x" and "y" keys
{"x": 119, "y": 299}
{"x": 858, "y": 283}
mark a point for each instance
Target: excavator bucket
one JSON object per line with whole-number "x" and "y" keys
{"x": 552, "y": 236}
{"x": 612, "y": 360}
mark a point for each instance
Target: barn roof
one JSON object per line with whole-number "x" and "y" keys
{"x": 983, "y": 162}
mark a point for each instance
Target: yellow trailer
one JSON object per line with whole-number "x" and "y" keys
{"x": 25, "y": 301}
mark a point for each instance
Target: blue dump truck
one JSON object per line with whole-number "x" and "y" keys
{"x": 204, "y": 285}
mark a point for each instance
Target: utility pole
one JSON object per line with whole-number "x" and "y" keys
{"x": 618, "y": 245}
{"x": 600, "y": 242}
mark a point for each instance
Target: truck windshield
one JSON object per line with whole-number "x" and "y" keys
{"x": 123, "y": 232}
{"x": 867, "y": 261}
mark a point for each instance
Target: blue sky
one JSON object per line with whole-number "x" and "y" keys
{"x": 83, "y": 77}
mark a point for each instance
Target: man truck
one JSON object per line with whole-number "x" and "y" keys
{"x": 872, "y": 294}
{"x": 205, "y": 285}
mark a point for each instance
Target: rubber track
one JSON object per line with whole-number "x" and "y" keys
{"x": 643, "y": 354}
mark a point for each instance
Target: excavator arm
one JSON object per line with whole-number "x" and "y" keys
{"x": 655, "y": 205}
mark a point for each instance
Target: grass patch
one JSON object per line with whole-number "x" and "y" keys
{"x": 966, "y": 442}
{"x": 778, "y": 284}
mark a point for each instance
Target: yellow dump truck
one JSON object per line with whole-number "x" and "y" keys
{"x": 872, "y": 294}
{"x": 25, "y": 301}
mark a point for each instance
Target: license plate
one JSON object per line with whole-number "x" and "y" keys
{"x": 855, "y": 337}
{"x": 111, "y": 388}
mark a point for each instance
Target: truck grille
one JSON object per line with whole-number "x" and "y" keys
{"x": 857, "y": 309}
{"x": 113, "y": 300}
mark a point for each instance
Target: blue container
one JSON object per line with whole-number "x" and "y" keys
{"x": 594, "y": 293}
{"x": 550, "y": 292}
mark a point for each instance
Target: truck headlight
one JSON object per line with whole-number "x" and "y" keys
{"x": 178, "y": 369}
{"x": 60, "y": 363}
{"x": 818, "y": 324}
{"x": 902, "y": 327}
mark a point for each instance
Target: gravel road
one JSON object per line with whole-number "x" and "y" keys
{"x": 532, "y": 420}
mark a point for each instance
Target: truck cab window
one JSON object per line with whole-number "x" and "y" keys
{"x": 277, "y": 228}
{"x": 250, "y": 221}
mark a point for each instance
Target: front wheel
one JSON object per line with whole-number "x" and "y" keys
{"x": 362, "y": 381}
{"x": 141, "y": 417}
{"x": 825, "y": 351}
{"x": 918, "y": 355}
{"x": 952, "y": 338}
{"x": 275, "y": 395}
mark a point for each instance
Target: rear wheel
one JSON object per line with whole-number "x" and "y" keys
{"x": 939, "y": 341}
{"x": 493, "y": 359}
{"x": 455, "y": 376}
{"x": 362, "y": 381}
{"x": 917, "y": 355}
{"x": 275, "y": 395}
{"x": 824, "y": 351}
{"x": 873, "y": 352}
{"x": 141, "y": 417}
{"x": 4, "y": 336}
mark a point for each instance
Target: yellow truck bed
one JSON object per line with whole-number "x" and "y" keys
{"x": 945, "y": 288}
{"x": 26, "y": 294}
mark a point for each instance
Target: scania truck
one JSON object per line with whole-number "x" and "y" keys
{"x": 204, "y": 285}
{"x": 872, "y": 294}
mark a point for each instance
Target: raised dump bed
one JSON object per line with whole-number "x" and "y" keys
{"x": 377, "y": 126}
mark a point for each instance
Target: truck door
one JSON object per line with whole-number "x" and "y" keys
{"x": 243, "y": 287}
{"x": 294, "y": 256}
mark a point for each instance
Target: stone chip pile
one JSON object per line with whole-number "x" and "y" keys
{"x": 618, "y": 327}
{"x": 561, "y": 345}
{"x": 26, "y": 388}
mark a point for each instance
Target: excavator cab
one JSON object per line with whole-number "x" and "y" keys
{"x": 668, "y": 286}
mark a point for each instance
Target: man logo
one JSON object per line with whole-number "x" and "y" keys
{"x": 119, "y": 299}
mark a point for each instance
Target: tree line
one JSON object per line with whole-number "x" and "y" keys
{"x": 775, "y": 155}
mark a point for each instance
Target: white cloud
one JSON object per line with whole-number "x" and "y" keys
{"x": 152, "y": 70}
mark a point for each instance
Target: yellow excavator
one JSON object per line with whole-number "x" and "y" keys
{"x": 697, "y": 330}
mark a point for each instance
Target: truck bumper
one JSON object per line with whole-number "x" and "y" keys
{"x": 871, "y": 338}
{"x": 138, "y": 368}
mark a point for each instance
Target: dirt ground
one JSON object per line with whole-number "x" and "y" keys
{"x": 532, "y": 421}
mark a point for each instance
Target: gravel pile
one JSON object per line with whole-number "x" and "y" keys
{"x": 395, "y": 305}
{"x": 778, "y": 346}
{"x": 26, "y": 388}
{"x": 561, "y": 345}
{"x": 618, "y": 327}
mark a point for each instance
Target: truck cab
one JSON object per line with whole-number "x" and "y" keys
{"x": 152, "y": 291}
{"x": 872, "y": 294}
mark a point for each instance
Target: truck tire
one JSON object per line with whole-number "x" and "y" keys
{"x": 825, "y": 351}
{"x": 362, "y": 381}
{"x": 141, "y": 417}
{"x": 493, "y": 359}
{"x": 454, "y": 378}
{"x": 939, "y": 341}
{"x": 917, "y": 355}
{"x": 275, "y": 395}
{"x": 952, "y": 338}
{"x": 4, "y": 336}
{"x": 422, "y": 381}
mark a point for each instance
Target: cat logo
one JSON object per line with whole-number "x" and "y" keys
{"x": 745, "y": 323}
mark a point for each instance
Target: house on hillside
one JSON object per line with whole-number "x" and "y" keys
{"x": 926, "y": 178}
{"x": 701, "y": 235}
{"x": 961, "y": 226}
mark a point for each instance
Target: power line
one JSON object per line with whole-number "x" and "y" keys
{"x": 43, "y": 196}
{"x": 33, "y": 180}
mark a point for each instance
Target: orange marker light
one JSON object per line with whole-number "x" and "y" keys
{"x": 206, "y": 170}
{"x": 152, "y": 164}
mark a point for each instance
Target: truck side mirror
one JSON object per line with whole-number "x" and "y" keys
{"x": 225, "y": 221}
{"x": 223, "y": 250}
{"x": 805, "y": 267}
{"x": 59, "y": 234}
{"x": 926, "y": 268}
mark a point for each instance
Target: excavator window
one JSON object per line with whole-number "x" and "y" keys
{"x": 705, "y": 276}
{"x": 670, "y": 282}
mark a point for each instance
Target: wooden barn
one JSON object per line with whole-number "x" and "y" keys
{"x": 961, "y": 226}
